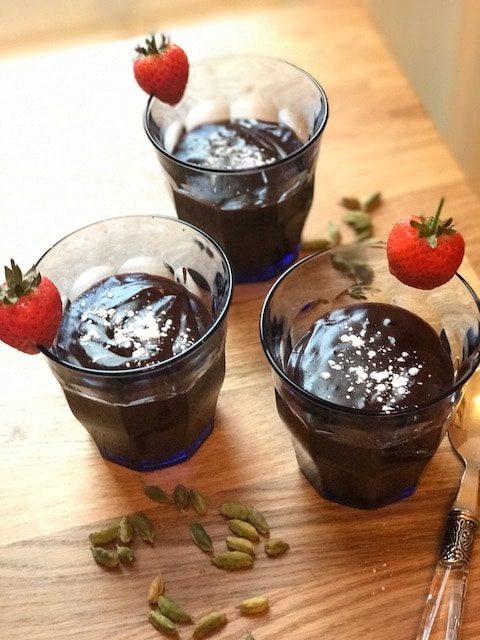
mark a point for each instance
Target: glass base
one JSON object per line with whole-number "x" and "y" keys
{"x": 152, "y": 464}
{"x": 269, "y": 272}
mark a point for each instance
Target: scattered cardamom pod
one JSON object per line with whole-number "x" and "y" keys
{"x": 155, "y": 589}
{"x": 333, "y": 233}
{"x": 162, "y": 623}
{"x": 243, "y": 529}
{"x": 372, "y": 202}
{"x": 234, "y": 510}
{"x": 104, "y": 535}
{"x": 317, "y": 244}
{"x": 252, "y": 606}
{"x": 104, "y": 557}
{"x": 275, "y": 547}
{"x": 201, "y": 537}
{"x": 198, "y": 502}
{"x": 249, "y": 637}
{"x": 360, "y": 222}
{"x": 125, "y": 533}
{"x": 125, "y": 554}
{"x": 349, "y": 202}
{"x": 144, "y": 527}
{"x": 208, "y": 624}
{"x": 257, "y": 519}
{"x": 235, "y": 543}
{"x": 155, "y": 493}
{"x": 232, "y": 560}
{"x": 181, "y": 497}
{"x": 172, "y": 610}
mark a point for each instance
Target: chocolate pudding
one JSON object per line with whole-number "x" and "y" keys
{"x": 381, "y": 360}
{"x": 134, "y": 322}
{"x": 256, "y": 215}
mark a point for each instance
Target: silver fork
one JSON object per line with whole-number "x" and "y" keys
{"x": 443, "y": 610}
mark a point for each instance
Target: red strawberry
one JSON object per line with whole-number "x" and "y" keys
{"x": 30, "y": 309}
{"x": 424, "y": 252}
{"x": 162, "y": 70}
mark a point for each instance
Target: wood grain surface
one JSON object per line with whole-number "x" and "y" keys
{"x": 79, "y": 155}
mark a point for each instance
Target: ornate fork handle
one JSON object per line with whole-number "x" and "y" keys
{"x": 444, "y": 607}
{"x": 459, "y": 538}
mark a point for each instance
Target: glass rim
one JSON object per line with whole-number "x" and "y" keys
{"x": 345, "y": 409}
{"x": 248, "y": 170}
{"x": 164, "y": 364}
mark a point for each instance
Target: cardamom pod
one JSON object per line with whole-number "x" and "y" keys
{"x": 252, "y": 606}
{"x": 198, "y": 502}
{"x": 208, "y": 624}
{"x": 235, "y": 543}
{"x": 349, "y": 202}
{"x": 201, "y": 537}
{"x": 172, "y": 610}
{"x": 144, "y": 527}
{"x": 125, "y": 554}
{"x": 275, "y": 547}
{"x": 257, "y": 519}
{"x": 104, "y": 557}
{"x": 155, "y": 589}
{"x": 360, "y": 221}
{"x": 232, "y": 560}
{"x": 125, "y": 533}
{"x": 162, "y": 623}
{"x": 234, "y": 510}
{"x": 155, "y": 493}
{"x": 104, "y": 535}
{"x": 249, "y": 637}
{"x": 372, "y": 202}
{"x": 333, "y": 233}
{"x": 243, "y": 529}
{"x": 317, "y": 244}
{"x": 181, "y": 497}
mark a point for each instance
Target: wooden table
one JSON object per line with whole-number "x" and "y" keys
{"x": 74, "y": 151}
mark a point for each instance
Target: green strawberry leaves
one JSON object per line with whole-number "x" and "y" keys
{"x": 18, "y": 284}
{"x": 432, "y": 228}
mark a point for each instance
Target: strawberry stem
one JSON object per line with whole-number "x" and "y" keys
{"x": 436, "y": 218}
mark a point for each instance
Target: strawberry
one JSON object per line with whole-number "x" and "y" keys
{"x": 161, "y": 69}
{"x": 424, "y": 252}
{"x": 30, "y": 309}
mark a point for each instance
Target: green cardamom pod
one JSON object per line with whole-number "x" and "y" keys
{"x": 333, "y": 233}
{"x": 349, "y": 202}
{"x": 243, "y": 529}
{"x": 155, "y": 589}
{"x": 125, "y": 532}
{"x": 235, "y": 543}
{"x": 181, "y": 497}
{"x": 104, "y": 557}
{"x": 372, "y": 202}
{"x": 358, "y": 220}
{"x": 276, "y": 547}
{"x": 201, "y": 537}
{"x": 155, "y": 493}
{"x": 125, "y": 554}
{"x": 198, "y": 502}
{"x": 103, "y": 536}
{"x": 232, "y": 560}
{"x": 317, "y": 244}
{"x": 252, "y": 606}
{"x": 162, "y": 623}
{"x": 249, "y": 637}
{"x": 257, "y": 519}
{"x": 144, "y": 527}
{"x": 172, "y": 610}
{"x": 208, "y": 624}
{"x": 234, "y": 510}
